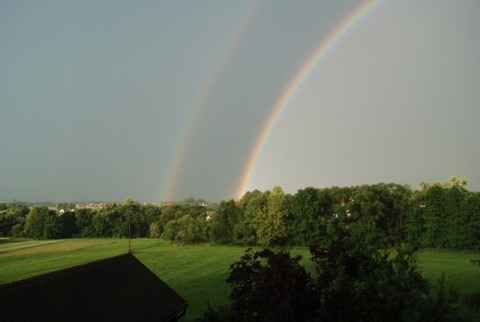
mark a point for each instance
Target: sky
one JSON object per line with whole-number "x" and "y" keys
{"x": 167, "y": 100}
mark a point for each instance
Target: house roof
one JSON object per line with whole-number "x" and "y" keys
{"x": 119, "y": 288}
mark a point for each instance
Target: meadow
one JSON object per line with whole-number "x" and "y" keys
{"x": 196, "y": 272}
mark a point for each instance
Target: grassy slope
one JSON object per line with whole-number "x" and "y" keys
{"x": 455, "y": 265}
{"x": 197, "y": 273}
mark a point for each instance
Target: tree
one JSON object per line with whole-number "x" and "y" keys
{"x": 271, "y": 219}
{"x": 7, "y": 221}
{"x": 42, "y": 223}
{"x": 458, "y": 182}
{"x": 152, "y": 214}
{"x": 12, "y": 219}
{"x": 415, "y": 219}
{"x": 455, "y": 221}
{"x": 105, "y": 220}
{"x": 435, "y": 217}
{"x": 191, "y": 230}
{"x": 357, "y": 283}
{"x": 156, "y": 229}
{"x": 185, "y": 230}
{"x": 84, "y": 222}
{"x": 171, "y": 230}
{"x": 353, "y": 282}
{"x": 306, "y": 223}
{"x": 183, "y": 223}
{"x": 67, "y": 227}
{"x": 369, "y": 211}
{"x": 268, "y": 286}
{"x": 471, "y": 216}
{"x": 244, "y": 232}
{"x": 132, "y": 219}
{"x": 223, "y": 222}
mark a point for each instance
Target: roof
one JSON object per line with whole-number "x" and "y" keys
{"x": 119, "y": 288}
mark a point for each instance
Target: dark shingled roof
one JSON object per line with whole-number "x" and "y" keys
{"x": 119, "y": 288}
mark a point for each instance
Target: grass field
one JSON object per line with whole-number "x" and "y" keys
{"x": 197, "y": 273}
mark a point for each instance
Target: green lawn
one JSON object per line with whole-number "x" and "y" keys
{"x": 456, "y": 266}
{"x": 197, "y": 273}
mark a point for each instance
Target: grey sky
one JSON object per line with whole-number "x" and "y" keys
{"x": 95, "y": 97}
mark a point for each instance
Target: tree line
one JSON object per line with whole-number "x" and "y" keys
{"x": 443, "y": 215}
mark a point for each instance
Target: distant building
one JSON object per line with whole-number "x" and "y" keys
{"x": 119, "y": 288}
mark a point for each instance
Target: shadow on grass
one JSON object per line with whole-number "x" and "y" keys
{"x": 6, "y": 240}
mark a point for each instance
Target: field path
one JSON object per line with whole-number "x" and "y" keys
{"x": 10, "y": 247}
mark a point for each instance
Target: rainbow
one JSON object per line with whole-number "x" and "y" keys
{"x": 293, "y": 86}
{"x": 201, "y": 100}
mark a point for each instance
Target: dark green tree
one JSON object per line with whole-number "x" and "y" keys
{"x": 244, "y": 232}
{"x": 85, "y": 222}
{"x": 42, "y": 223}
{"x": 132, "y": 219}
{"x": 306, "y": 222}
{"x": 8, "y": 219}
{"x": 357, "y": 283}
{"x": 415, "y": 220}
{"x": 353, "y": 282}
{"x": 152, "y": 214}
{"x": 223, "y": 222}
{"x": 12, "y": 219}
{"x": 470, "y": 226}
{"x": 269, "y": 286}
{"x": 455, "y": 219}
{"x": 105, "y": 220}
{"x": 435, "y": 234}
{"x": 67, "y": 227}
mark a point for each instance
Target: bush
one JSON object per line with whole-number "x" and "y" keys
{"x": 357, "y": 283}
{"x": 268, "y": 286}
{"x": 352, "y": 283}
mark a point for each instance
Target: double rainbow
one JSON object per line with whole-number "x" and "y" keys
{"x": 288, "y": 93}
{"x": 201, "y": 101}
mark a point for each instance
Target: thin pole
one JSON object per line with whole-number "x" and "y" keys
{"x": 129, "y": 249}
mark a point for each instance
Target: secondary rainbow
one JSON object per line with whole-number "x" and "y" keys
{"x": 201, "y": 100}
{"x": 292, "y": 87}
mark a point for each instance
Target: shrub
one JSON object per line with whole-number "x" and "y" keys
{"x": 352, "y": 283}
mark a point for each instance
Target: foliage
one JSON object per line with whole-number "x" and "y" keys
{"x": 439, "y": 215}
{"x": 185, "y": 223}
{"x": 84, "y": 222}
{"x": 156, "y": 230}
{"x": 352, "y": 283}
{"x": 223, "y": 222}
{"x": 472, "y": 301}
{"x": 374, "y": 288}
{"x": 269, "y": 286}
{"x": 67, "y": 225}
{"x": 7, "y": 221}
{"x": 244, "y": 232}
{"x": 271, "y": 219}
{"x": 190, "y": 230}
{"x": 306, "y": 224}
{"x": 12, "y": 219}
{"x": 42, "y": 223}
{"x": 444, "y": 218}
